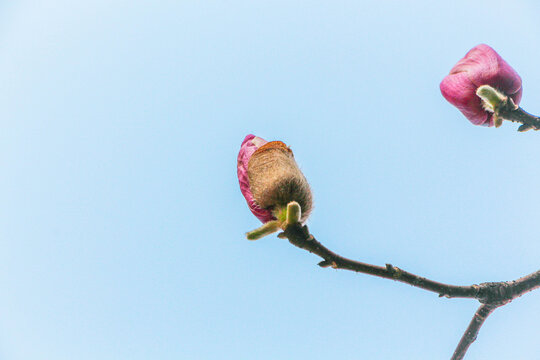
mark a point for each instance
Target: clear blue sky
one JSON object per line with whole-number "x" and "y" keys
{"x": 122, "y": 224}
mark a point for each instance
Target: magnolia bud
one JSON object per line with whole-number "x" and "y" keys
{"x": 270, "y": 179}
{"x": 481, "y": 66}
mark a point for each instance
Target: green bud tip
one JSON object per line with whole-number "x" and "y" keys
{"x": 294, "y": 213}
{"x": 491, "y": 98}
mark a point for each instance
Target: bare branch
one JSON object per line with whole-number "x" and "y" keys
{"x": 299, "y": 236}
{"x": 472, "y": 330}
{"x": 491, "y": 294}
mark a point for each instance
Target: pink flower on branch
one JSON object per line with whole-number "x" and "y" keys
{"x": 480, "y": 66}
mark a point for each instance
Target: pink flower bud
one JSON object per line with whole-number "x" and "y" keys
{"x": 481, "y": 66}
{"x": 270, "y": 178}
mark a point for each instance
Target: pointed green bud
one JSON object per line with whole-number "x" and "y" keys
{"x": 491, "y": 98}
{"x": 294, "y": 213}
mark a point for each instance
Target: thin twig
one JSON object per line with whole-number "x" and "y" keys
{"x": 472, "y": 330}
{"x": 299, "y": 236}
{"x": 490, "y": 294}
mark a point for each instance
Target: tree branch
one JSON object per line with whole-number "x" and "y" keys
{"x": 491, "y": 294}
{"x": 472, "y": 330}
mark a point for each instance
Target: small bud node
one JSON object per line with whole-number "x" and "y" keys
{"x": 324, "y": 264}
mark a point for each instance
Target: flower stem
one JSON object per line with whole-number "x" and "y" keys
{"x": 519, "y": 115}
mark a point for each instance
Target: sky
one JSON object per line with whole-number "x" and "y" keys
{"x": 122, "y": 223}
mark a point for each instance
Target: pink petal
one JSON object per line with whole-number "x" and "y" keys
{"x": 250, "y": 144}
{"x": 461, "y": 92}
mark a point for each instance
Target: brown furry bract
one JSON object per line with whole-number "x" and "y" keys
{"x": 275, "y": 179}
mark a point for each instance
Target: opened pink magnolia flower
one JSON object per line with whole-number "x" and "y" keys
{"x": 270, "y": 179}
{"x": 480, "y": 66}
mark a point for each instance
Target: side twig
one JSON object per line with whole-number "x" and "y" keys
{"x": 472, "y": 330}
{"x": 491, "y": 294}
